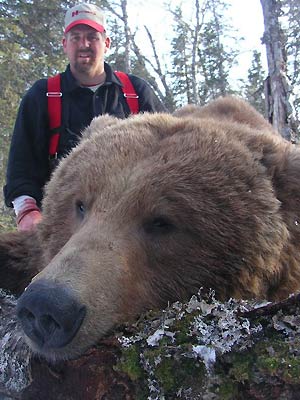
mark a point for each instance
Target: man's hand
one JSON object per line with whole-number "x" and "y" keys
{"x": 28, "y": 216}
{"x": 29, "y": 220}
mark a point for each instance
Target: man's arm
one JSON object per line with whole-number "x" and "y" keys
{"x": 27, "y": 169}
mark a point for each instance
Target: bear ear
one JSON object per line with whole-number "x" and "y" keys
{"x": 187, "y": 111}
{"x": 230, "y": 109}
{"x": 235, "y": 109}
{"x": 98, "y": 124}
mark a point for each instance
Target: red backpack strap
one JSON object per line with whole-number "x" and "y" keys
{"x": 129, "y": 92}
{"x": 54, "y": 96}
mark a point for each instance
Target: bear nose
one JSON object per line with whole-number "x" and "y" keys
{"x": 50, "y": 315}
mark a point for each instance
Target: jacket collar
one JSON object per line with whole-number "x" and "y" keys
{"x": 72, "y": 84}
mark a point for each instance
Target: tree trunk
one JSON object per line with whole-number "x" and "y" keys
{"x": 127, "y": 35}
{"x": 200, "y": 350}
{"x": 169, "y": 98}
{"x": 195, "y": 44}
{"x": 278, "y": 108}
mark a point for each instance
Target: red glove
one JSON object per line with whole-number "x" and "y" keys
{"x": 28, "y": 216}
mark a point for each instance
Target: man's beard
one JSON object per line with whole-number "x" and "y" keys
{"x": 83, "y": 67}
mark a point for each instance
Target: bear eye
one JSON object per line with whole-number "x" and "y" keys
{"x": 80, "y": 209}
{"x": 158, "y": 225}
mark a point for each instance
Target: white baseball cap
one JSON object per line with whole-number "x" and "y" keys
{"x": 86, "y": 14}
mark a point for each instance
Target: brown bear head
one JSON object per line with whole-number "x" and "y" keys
{"x": 147, "y": 211}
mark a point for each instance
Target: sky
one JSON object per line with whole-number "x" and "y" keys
{"x": 246, "y": 17}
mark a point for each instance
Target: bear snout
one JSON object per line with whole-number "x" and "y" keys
{"x": 50, "y": 315}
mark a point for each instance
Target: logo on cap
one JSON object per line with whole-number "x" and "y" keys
{"x": 75, "y": 13}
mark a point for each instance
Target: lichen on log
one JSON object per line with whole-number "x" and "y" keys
{"x": 203, "y": 349}
{"x": 14, "y": 354}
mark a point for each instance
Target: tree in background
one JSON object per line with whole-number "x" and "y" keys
{"x": 216, "y": 58}
{"x": 291, "y": 18}
{"x": 11, "y": 89}
{"x": 30, "y": 49}
{"x": 277, "y": 88}
{"x": 201, "y": 61}
{"x": 115, "y": 57}
{"x": 125, "y": 54}
{"x": 119, "y": 32}
{"x": 158, "y": 80}
{"x": 181, "y": 59}
{"x": 254, "y": 87}
{"x": 30, "y": 34}
{"x": 37, "y": 27}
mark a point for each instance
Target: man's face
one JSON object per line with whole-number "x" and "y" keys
{"x": 85, "y": 48}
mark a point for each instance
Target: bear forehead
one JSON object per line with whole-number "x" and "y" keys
{"x": 159, "y": 156}
{"x": 164, "y": 137}
{"x": 132, "y": 150}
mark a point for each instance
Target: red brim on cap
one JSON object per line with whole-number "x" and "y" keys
{"x": 92, "y": 24}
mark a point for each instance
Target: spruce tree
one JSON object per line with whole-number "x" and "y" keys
{"x": 37, "y": 27}
{"x": 30, "y": 48}
{"x": 202, "y": 60}
{"x": 254, "y": 88}
{"x": 181, "y": 60}
{"x": 216, "y": 54}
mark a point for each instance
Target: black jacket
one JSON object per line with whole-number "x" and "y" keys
{"x": 28, "y": 164}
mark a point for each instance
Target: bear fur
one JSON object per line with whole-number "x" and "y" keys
{"x": 146, "y": 211}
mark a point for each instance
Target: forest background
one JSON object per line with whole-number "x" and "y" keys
{"x": 192, "y": 65}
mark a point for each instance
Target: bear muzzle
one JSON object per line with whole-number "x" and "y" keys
{"x": 50, "y": 314}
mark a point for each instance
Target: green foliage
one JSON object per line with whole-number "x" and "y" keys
{"x": 216, "y": 58}
{"x": 254, "y": 88}
{"x": 116, "y": 56}
{"x": 38, "y": 36}
{"x": 7, "y": 221}
{"x": 181, "y": 59}
{"x": 30, "y": 49}
{"x": 130, "y": 364}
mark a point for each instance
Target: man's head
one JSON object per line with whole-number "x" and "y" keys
{"x": 85, "y": 14}
{"x": 85, "y": 42}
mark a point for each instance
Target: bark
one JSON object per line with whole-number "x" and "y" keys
{"x": 200, "y": 350}
{"x": 277, "y": 87}
{"x": 127, "y": 34}
{"x": 195, "y": 45}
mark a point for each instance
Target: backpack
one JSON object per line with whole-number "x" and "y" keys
{"x": 54, "y": 96}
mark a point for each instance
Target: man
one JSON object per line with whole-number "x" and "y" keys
{"x": 89, "y": 88}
